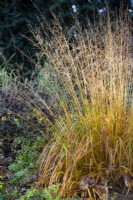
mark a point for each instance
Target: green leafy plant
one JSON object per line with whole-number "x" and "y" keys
{"x": 25, "y": 164}
{"x": 51, "y": 193}
{"x": 24, "y": 168}
{"x": 31, "y": 194}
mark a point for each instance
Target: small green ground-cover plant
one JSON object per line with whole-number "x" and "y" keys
{"x": 93, "y": 118}
{"x": 26, "y": 158}
{"x": 47, "y": 194}
{"x": 23, "y": 169}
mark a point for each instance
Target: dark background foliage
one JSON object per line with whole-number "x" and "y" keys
{"x": 16, "y": 14}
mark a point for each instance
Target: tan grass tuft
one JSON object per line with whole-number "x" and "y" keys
{"x": 94, "y": 127}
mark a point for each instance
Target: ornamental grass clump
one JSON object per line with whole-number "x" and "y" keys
{"x": 93, "y": 115}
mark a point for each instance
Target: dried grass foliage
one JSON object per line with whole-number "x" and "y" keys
{"x": 94, "y": 126}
